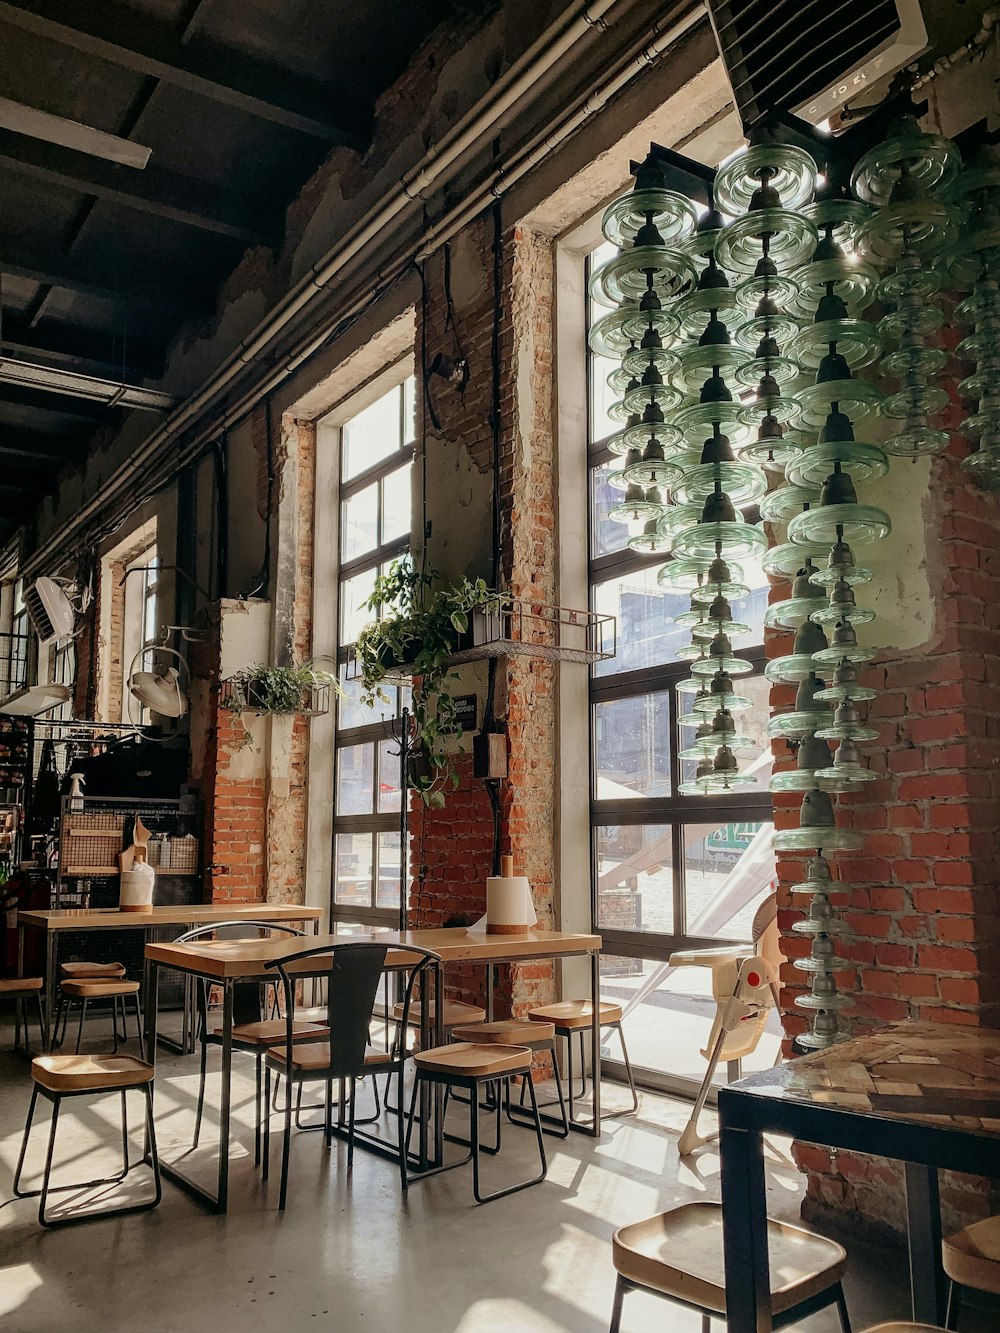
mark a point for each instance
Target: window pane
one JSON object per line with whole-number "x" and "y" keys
{"x": 397, "y": 504}
{"x": 359, "y": 523}
{"x": 372, "y": 435}
{"x": 750, "y": 609}
{"x": 647, "y": 632}
{"x": 355, "y": 779}
{"x": 601, "y": 398}
{"x": 409, "y": 410}
{"x": 389, "y": 793}
{"x": 352, "y": 713}
{"x": 752, "y": 723}
{"x": 635, "y": 881}
{"x": 632, "y": 747}
{"x": 354, "y": 615}
{"x": 728, "y": 870}
{"x": 388, "y": 870}
{"x": 607, "y": 535}
{"x": 352, "y": 885}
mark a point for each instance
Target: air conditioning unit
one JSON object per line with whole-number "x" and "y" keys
{"x": 49, "y": 610}
{"x": 812, "y": 56}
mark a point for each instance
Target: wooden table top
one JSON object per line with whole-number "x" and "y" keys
{"x": 220, "y": 959}
{"x": 937, "y": 1074}
{"x": 193, "y": 914}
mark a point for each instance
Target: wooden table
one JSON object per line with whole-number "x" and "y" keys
{"x": 226, "y": 961}
{"x": 183, "y": 916}
{"x": 924, "y": 1094}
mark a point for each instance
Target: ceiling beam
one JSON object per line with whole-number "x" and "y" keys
{"x": 33, "y": 448}
{"x": 112, "y": 279}
{"x": 135, "y": 40}
{"x": 161, "y": 193}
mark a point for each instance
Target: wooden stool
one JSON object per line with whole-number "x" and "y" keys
{"x": 971, "y": 1259}
{"x": 897, "y": 1327}
{"x": 471, "y": 1065}
{"x": 537, "y": 1036}
{"x": 455, "y": 1013}
{"x": 85, "y": 992}
{"x": 59, "y": 1076}
{"x": 19, "y": 989}
{"x": 679, "y": 1255}
{"x": 91, "y": 971}
{"x": 572, "y": 1018}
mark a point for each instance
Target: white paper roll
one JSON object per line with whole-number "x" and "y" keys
{"x": 136, "y": 894}
{"x": 509, "y": 908}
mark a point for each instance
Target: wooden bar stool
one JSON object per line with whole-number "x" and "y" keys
{"x": 58, "y": 1076}
{"x": 87, "y": 992}
{"x": 21, "y": 989}
{"x": 679, "y": 1255}
{"x": 456, "y": 1013}
{"x": 473, "y": 1066}
{"x": 573, "y": 1018}
{"x": 84, "y": 971}
{"x": 537, "y": 1036}
{"x": 896, "y": 1327}
{"x": 971, "y": 1261}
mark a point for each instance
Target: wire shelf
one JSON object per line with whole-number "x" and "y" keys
{"x": 525, "y": 629}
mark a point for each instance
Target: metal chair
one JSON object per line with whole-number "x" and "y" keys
{"x": 20, "y": 989}
{"x": 352, "y": 972}
{"x": 679, "y": 1255}
{"x": 252, "y": 1032}
{"x": 58, "y": 1076}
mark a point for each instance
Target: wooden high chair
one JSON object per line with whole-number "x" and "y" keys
{"x": 745, "y": 987}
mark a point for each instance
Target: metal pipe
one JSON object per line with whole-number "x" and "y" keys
{"x": 480, "y": 122}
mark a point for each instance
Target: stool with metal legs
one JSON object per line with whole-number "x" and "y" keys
{"x": 572, "y": 1018}
{"x": 85, "y": 993}
{"x": 539, "y": 1038}
{"x": 85, "y": 971}
{"x": 56, "y": 1077}
{"x": 20, "y": 989}
{"x": 473, "y": 1066}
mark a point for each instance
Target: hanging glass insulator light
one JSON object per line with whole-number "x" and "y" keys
{"x": 847, "y": 724}
{"x": 841, "y": 567}
{"x": 836, "y": 445}
{"x": 720, "y": 533}
{"x": 786, "y": 502}
{"x": 818, "y": 828}
{"x": 838, "y": 516}
{"x": 845, "y": 683}
{"x": 798, "y": 664}
{"x": 808, "y": 713}
{"x": 811, "y": 755}
{"x": 806, "y": 598}
{"x": 742, "y": 482}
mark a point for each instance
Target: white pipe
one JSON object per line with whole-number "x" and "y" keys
{"x": 483, "y": 118}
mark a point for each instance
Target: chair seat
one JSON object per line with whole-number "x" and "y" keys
{"x": 570, "y": 1015}
{"x": 971, "y": 1256}
{"x": 905, "y": 1327}
{"x": 97, "y": 990}
{"x": 470, "y": 1059}
{"x": 20, "y": 985}
{"x": 271, "y": 1031}
{"x": 316, "y": 1055}
{"x": 507, "y": 1032}
{"x": 89, "y": 1073}
{"x": 680, "y": 1254}
{"x": 455, "y": 1012}
{"x": 91, "y": 971}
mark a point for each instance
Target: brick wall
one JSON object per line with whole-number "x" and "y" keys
{"x": 922, "y": 895}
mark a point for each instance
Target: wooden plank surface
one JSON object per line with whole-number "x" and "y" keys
{"x": 195, "y": 914}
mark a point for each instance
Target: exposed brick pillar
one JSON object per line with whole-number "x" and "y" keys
{"x": 922, "y": 896}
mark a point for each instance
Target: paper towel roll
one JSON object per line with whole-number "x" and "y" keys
{"x": 509, "y": 909}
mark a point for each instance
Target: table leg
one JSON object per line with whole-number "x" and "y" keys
{"x": 149, "y": 992}
{"x": 490, "y": 986}
{"x": 20, "y": 948}
{"x": 595, "y": 1038}
{"x": 923, "y": 1223}
{"x": 51, "y": 961}
{"x": 227, "y": 1070}
{"x": 744, "y": 1229}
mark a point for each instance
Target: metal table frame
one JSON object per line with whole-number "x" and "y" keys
{"x": 923, "y": 1148}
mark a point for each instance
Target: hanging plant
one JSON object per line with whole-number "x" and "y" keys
{"x": 260, "y": 688}
{"x": 419, "y": 626}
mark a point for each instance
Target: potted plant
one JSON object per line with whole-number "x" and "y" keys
{"x": 419, "y": 625}
{"x": 260, "y": 688}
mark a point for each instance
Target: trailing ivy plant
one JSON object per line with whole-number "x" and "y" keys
{"x": 419, "y": 625}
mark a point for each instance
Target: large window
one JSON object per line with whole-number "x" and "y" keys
{"x": 669, "y": 871}
{"x": 376, "y": 467}
{"x": 139, "y": 624}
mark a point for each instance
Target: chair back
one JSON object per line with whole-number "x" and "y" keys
{"x": 765, "y": 933}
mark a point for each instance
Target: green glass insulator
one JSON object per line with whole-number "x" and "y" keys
{"x": 854, "y": 397}
{"x": 926, "y": 161}
{"x": 673, "y": 216}
{"x": 923, "y": 226}
{"x": 787, "y": 237}
{"x": 742, "y": 482}
{"x": 789, "y": 172}
{"x": 984, "y": 467}
{"x": 813, "y": 465}
{"x": 638, "y": 436}
{"x": 785, "y": 502}
{"x": 857, "y": 341}
{"x": 786, "y": 559}
{"x": 629, "y": 275}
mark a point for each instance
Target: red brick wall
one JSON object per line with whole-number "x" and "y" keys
{"x": 922, "y": 895}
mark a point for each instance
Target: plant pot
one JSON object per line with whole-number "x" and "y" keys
{"x": 489, "y": 627}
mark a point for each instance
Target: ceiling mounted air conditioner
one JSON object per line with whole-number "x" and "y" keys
{"x": 812, "y": 56}
{"x": 49, "y": 610}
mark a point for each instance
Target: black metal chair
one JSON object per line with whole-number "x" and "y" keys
{"x": 253, "y": 1033}
{"x": 352, "y": 972}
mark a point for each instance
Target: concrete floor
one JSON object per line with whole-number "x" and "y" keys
{"x": 348, "y": 1254}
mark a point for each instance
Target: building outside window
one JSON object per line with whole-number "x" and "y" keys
{"x": 669, "y": 871}
{"x": 376, "y": 447}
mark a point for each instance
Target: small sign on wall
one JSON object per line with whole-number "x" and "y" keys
{"x": 465, "y": 711}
